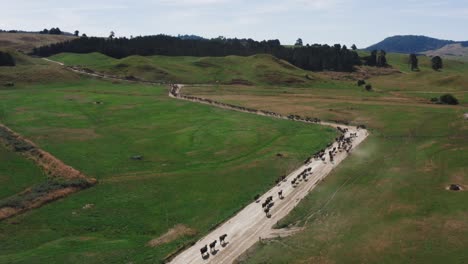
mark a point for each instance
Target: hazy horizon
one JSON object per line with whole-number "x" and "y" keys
{"x": 315, "y": 21}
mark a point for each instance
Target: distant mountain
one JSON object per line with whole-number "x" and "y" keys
{"x": 413, "y": 44}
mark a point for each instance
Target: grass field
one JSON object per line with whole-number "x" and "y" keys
{"x": 257, "y": 69}
{"x": 200, "y": 165}
{"x": 388, "y": 202}
{"x": 426, "y": 83}
{"x": 16, "y": 173}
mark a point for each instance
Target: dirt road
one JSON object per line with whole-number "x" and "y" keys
{"x": 251, "y": 224}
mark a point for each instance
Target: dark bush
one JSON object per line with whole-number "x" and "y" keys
{"x": 434, "y": 99}
{"x": 437, "y": 63}
{"x": 6, "y": 59}
{"x": 448, "y": 99}
{"x": 369, "y": 87}
{"x": 361, "y": 82}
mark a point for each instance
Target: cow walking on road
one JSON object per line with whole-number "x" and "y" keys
{"x": 213, "y": 246}
{"x": 204, "y": 252}
{"x": 222, "y": 240}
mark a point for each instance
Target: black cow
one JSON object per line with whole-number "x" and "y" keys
{"x": 204, "y": 251}
{"x": 222, "y": 239}
{"x": 213, "y": 246}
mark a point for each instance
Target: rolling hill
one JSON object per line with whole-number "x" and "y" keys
{"x": 451, "y": 51}
{"x": 27, "y": 41}
{"x": 413, "y": 44}
{"x": 256, "y": 69}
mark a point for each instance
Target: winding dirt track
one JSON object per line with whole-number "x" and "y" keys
{"x": 251, "y": 224}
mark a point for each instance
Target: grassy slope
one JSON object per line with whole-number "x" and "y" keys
{"x": 32, "y": 71}
{"x": 16, "y": 173}
{"x": 387, "y": 203}
{"x": 258, "y": 69}
{"x": 200, "y": 165}
{"x": 27, "y": 41}
{"x": 427, "y": 83}
{"x": 451, "y": 51}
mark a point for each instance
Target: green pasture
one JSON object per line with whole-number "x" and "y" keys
{"x": 257, "y": 69}
{"x": 200, "y": 165}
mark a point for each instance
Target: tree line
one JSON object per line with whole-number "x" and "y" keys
{"x": 52, "y": 31}
{"x": 310, "y": 57}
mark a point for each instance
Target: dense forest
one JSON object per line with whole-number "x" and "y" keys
{"x": 310, "y": 57}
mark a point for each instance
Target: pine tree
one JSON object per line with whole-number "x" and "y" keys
{"x": 437, "y": 63}
{"x": 413, "y": 59}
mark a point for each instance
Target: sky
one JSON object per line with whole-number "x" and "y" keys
{"x": 362, "y": 22}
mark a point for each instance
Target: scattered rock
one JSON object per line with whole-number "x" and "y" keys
{"x": 455, "y": 187}
{"x": 137, "y": 157}
{"x": 88, "y": 206}
{"x": 466, "y": 116}
{"x": 131, "y": 78}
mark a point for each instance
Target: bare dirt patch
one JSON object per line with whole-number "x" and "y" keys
{"x": 171, "y": 235}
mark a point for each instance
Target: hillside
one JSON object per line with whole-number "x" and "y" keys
{"x": 412, "y": 44}
{"x": 451, "y": 51}
{"x": 27, "y": 41}
{"x": 30, "y": 70}
{"x": 257, "y": 69}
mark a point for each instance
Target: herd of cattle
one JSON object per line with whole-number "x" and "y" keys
{"x": 343, "y": 143}
{"x": 175, "y": 92}
{"x": 204, "y": 250}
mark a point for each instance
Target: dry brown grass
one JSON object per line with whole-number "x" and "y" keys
{"x": 171, "y": 235}
{"x": 360, "y": 73}
{"x": 7, "y": 212}
{"x": 27, "y": 41}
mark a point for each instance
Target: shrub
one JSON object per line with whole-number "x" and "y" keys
{"x": 361, "y": 82}
{"x": 448, "y": 99}
{"x": 437, "y": 63}
{"x": 6, "y": 59}
{"x": 369, "y": 87}
{"x": 434, "y": 99}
